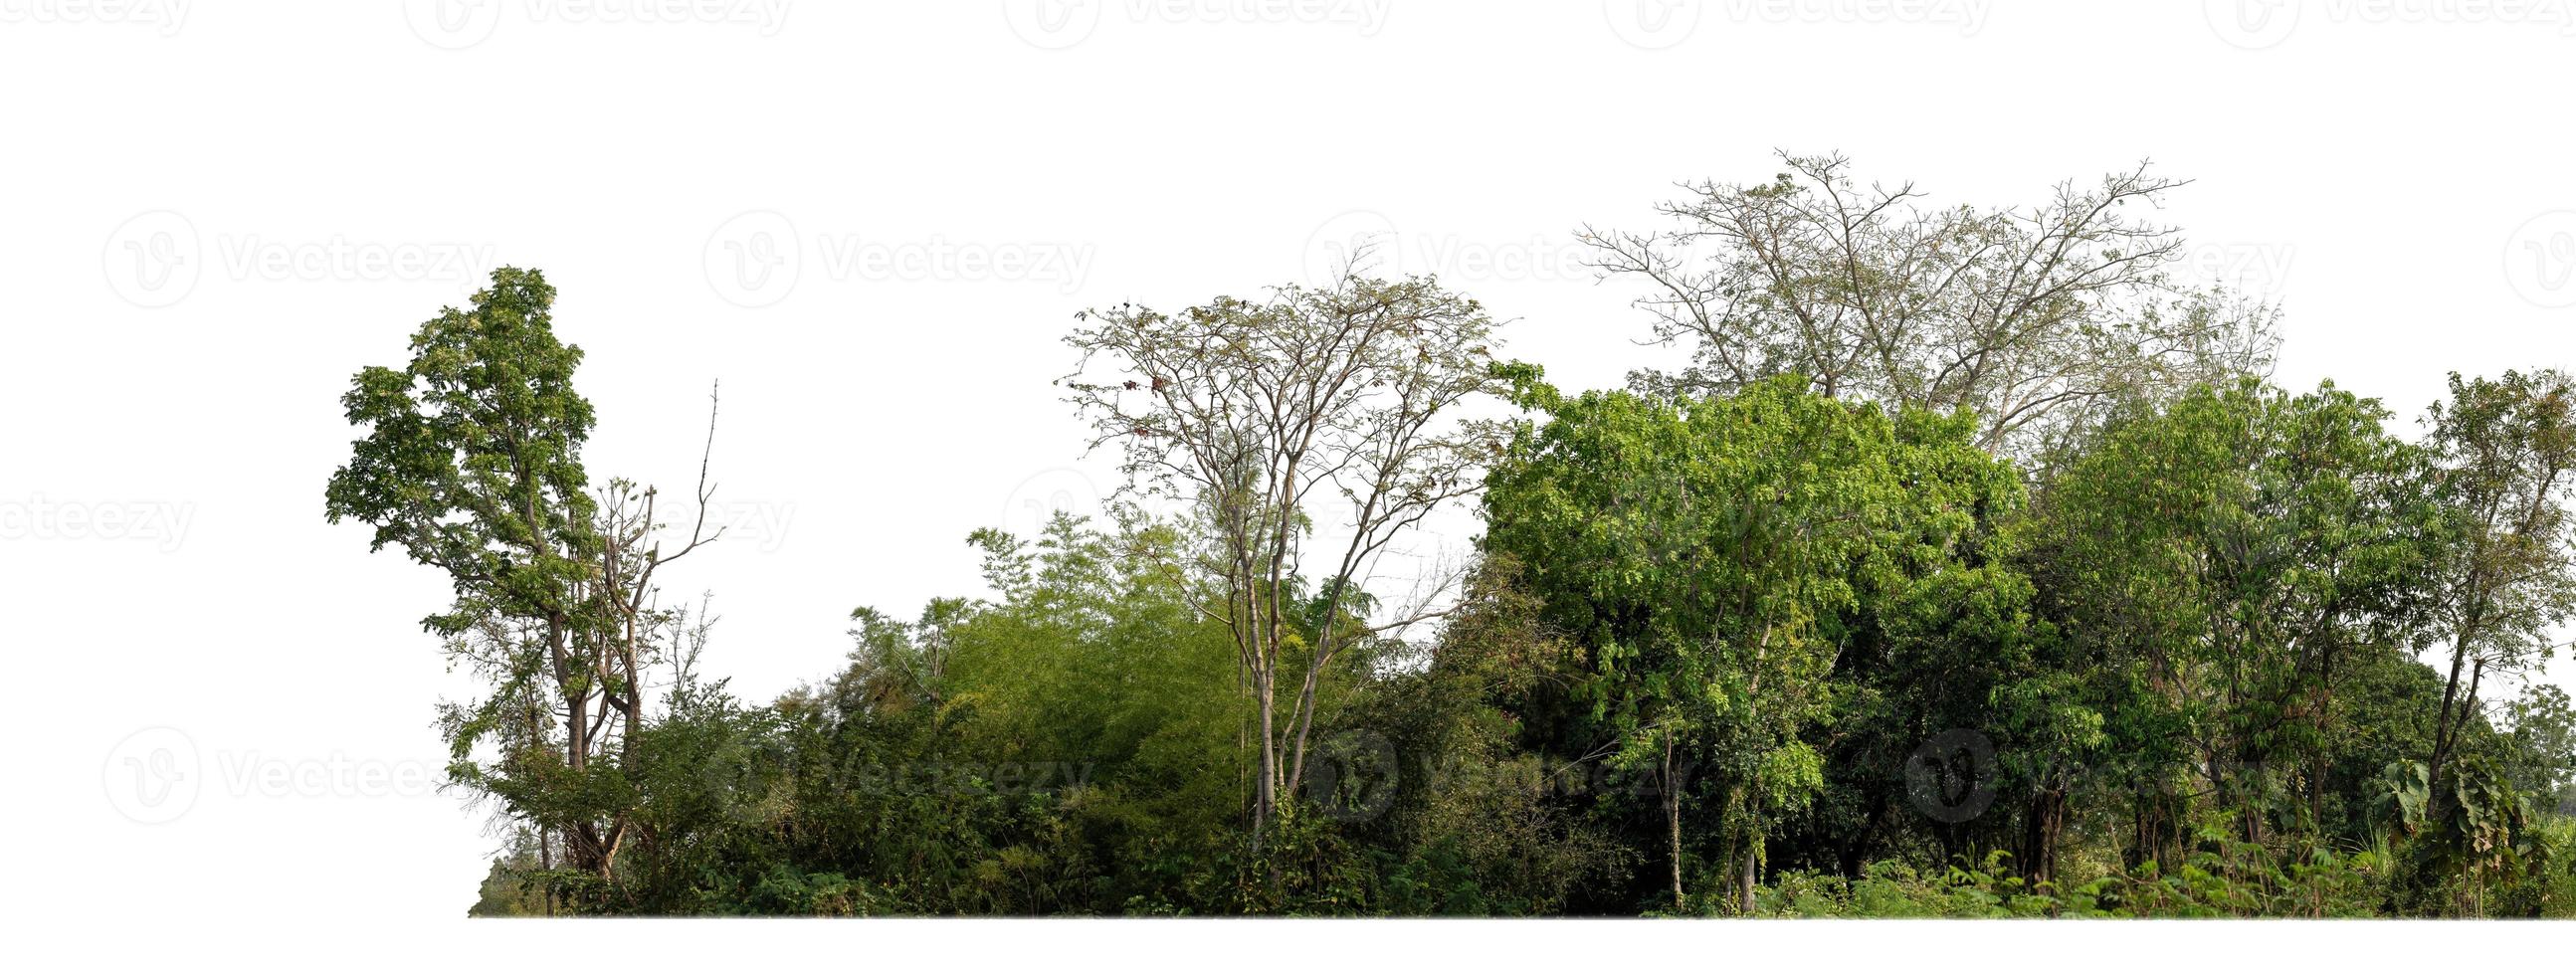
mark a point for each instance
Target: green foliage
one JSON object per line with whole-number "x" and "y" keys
{"x": 1893, "y": 889}
{"x": 472, "y": 459}
{"x": 1712, "y": 555}
{"x": 1769, "y": 652}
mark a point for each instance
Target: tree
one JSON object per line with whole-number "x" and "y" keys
{"x": 471, "y": 463}
{"x": 2543, "y": 757}
{"x": 2507, "y": 471}
{"x": 1707, "y": 552}
{"x": 2038, "y": 320}
{"x": 1266, "y": 412}
{"x": 2232, "y": 555}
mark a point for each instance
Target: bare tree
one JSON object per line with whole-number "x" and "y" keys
{"x": 2035, "y": 319}
{"x": 1266, "y": 414}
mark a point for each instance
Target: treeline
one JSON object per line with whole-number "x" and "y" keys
{"x": 1972, "y": 568}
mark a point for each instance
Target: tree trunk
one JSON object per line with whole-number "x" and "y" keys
{"x": 1673, "y": 821}
{"x": 2157, "y": 832}
{"x": 2442, "y": 725}
{"x": 546, "y": 862}
{"x": 1266, "y": 792}
{"x": 2042, "y": 830}
{"x": 1752, "y": 861}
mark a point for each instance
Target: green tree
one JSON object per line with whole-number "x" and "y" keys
{"x": 2507, "y": 578}
{"x": 2230, "y": 556}
{"x": 1706, "y": 553}
{"x": 471, "y": 464}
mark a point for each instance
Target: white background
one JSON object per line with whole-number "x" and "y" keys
{"x": 215, "y": 213}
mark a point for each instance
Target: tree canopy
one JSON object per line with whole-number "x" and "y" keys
{"x": 1974, "y": 569}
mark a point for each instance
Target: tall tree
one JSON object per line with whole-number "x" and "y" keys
{"x": 1316, "y": 407}
{"x": 471, "y": 463}
{"x": 2507, "y": 456}
{"x": 2231, "y": 554}
{"x": 2037, "y": 319}
{"x": 1708, "y": 552}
